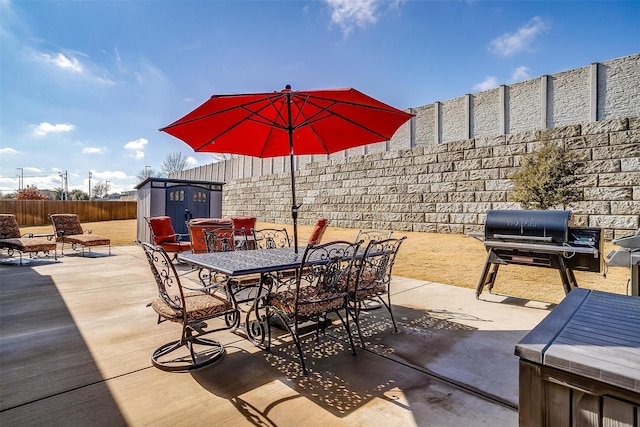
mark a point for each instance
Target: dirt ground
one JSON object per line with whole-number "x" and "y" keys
{"x": 451, "y": 259}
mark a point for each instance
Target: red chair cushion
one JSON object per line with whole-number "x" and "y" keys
{"x": 175, "y": 246}
{"x": 246, "y": 222}
{"x": 162, "y": 229}
{"x": 318, "y": 231}
{"x": 197, "y": 227}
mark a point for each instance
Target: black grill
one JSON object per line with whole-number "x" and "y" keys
{"x": 540, "y": 239}
{"x": 528, "y": 226}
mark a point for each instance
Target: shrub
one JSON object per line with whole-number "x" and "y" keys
{"x": 30, "y": 193}
{"x": 547, "y": 178}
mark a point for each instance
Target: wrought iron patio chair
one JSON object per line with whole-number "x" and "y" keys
{"x": 197, "y": 228}
{"x": 319, "y": 288}
{"x": 13, "y": 241}
{"x": 271, "y": 238}
{"x": 373, "y": 279}
{"x": 226, "y": 239}
{"x": 191, "y": 309}
{"x": 163, "y": 234}
{"x": 365, "y": 236}
{"x": 246, "y": 223}
{"x": 67, "y": 229}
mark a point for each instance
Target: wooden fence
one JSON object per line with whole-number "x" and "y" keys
{"x": 36, "y": 212}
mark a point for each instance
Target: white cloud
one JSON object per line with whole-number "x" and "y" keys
{"x": 137, "y": 144}
{"x": 519, "y": 74}
{"x": 93, "y": 150}
{"x": 32, "y": 169}
{"x": 137, "y": 147}
{"x": 109, "y": 175}
{"x": 45, "y": 128}
{"x": 489, "y": 83}
{"x": 512, "y": 43}
{"x": 61, "y": 61}
{"x": 7, "y": 150}
{"x": 87, "y": 69}
{"x": 350, "y": 13}
{"x": 191, "y": 161}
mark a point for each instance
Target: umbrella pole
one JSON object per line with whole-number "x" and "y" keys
{"x": 294, "y": 207}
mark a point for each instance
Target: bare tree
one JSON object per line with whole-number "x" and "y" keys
{"x": 147, "y": 172}
{"x": 100, "y": 190}
{"x": 173, "y": 163}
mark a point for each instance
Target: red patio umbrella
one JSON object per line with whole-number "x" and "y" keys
{"x": 288, "y": 123}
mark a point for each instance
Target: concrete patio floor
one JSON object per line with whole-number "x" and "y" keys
{"x": 76, "y": 339}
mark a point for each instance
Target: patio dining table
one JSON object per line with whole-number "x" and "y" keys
{"x": 235, "y": 264}
{"x": 266, "y": 262}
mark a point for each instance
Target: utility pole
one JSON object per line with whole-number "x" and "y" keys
{"x": 21, "y": 179}
{"x": 65, "y": 185}
{"x": 90, "y": 175}
{"x": 61, "y": 185}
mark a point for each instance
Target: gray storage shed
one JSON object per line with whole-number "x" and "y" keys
{"x": 180, "y": 199}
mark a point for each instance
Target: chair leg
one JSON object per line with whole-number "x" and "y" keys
{"x": 181, "y": 363}
{"x": 345, "y": 323}
{"x": 296, "y": 339}
{"x": 268, "y": 316}
{"x": 388, "y": 307}
{"x": 356, "y": 319}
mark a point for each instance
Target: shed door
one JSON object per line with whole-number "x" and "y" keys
{"x": 186, "y": 201}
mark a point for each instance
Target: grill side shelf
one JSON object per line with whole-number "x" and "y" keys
{"x": 542, "y": 248}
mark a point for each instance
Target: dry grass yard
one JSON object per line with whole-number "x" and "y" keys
{"x": 451, "y": 259}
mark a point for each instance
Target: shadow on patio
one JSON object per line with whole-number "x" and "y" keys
{"x": 76, "y": 339}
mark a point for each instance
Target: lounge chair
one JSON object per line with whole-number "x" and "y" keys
{"x": 13, "y": 241}
{"x": 67, "y": 229}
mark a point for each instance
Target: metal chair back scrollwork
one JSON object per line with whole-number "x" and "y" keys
{"x": 225, "y": 240}
{"x": 365, "y": 236}
{"x": 197, "y": 228}
{"x": 373, "y": 278}
{"x": 320, "y": 287}
{"x": 271, "y": 238}
{"x": 190, "y": 309}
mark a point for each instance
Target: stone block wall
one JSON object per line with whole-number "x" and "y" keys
{"x": 446, "y": 167}
{"x": 448, "y": 188}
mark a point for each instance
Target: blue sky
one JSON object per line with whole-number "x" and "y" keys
{"x": 85, "y": 85}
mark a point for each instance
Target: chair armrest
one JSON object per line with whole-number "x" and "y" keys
{"x": 49, "y": 236}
